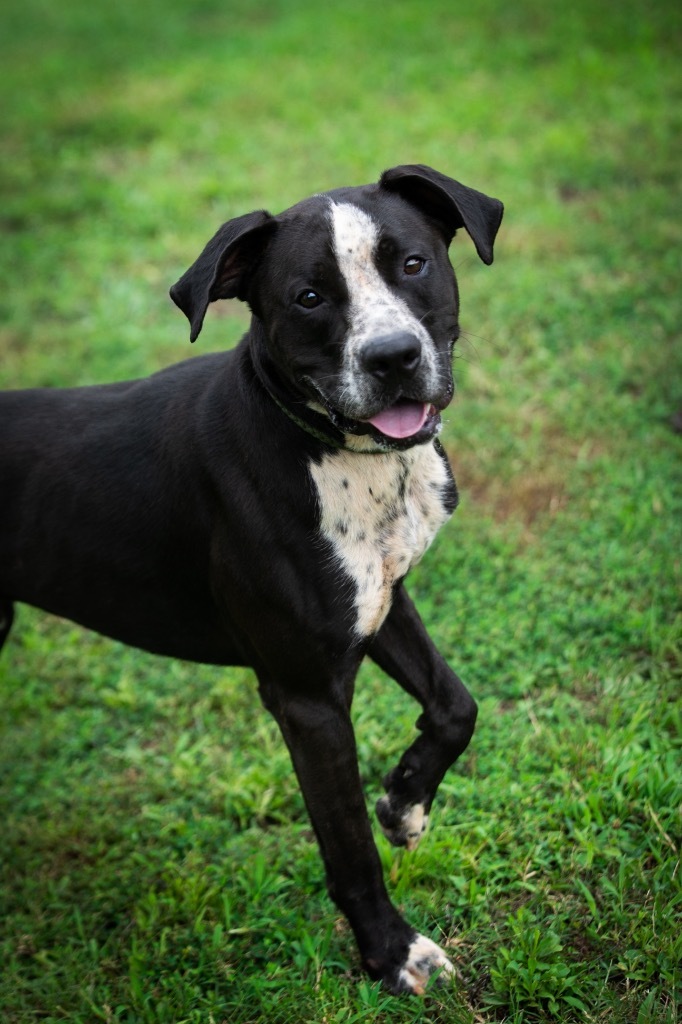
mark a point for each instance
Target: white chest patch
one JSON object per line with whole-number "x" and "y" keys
{"x": 379, "y": 513}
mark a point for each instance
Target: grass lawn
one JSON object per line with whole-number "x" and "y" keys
{"x": 156, "y": 862}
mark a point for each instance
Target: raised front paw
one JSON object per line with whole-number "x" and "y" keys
{"x": 403, "y": 826}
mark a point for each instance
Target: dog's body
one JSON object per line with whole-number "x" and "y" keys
{"x": 261, "y": 507}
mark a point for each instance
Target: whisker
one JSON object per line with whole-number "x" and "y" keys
{"x": 465, "y": 259}
{"x": 462, "y": 356}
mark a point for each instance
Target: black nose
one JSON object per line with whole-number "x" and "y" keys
{"x": 392, "y": 357}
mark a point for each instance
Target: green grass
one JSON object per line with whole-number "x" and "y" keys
{"x": 157, "y": 864}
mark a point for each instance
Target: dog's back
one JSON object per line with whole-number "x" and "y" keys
{"x": 100, "y": 499}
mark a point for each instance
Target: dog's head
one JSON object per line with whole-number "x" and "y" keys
{"x": 356, "y": 300}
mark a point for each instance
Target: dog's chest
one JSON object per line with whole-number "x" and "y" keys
{"x": 379, "y": 513}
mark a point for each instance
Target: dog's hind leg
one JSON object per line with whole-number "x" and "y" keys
{"x": 404, "y": 650}
{"x": 317, "y": 728}
{"x": 6, "y": 619}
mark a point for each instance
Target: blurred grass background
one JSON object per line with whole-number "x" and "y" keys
{"x": 156, "y": 861}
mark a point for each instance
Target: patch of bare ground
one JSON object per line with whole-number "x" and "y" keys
{"x": 533, "y": 487}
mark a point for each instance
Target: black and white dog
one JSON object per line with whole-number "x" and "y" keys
{"x": 261, "y": 507}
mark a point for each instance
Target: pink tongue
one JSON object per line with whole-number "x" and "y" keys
{"x": 402, "y": 419}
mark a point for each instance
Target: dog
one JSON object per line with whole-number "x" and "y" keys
{"x": 262, "y": 506}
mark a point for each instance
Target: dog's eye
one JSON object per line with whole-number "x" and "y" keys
{"x": 309, "y": 299}
{"x": 414, "y": 265}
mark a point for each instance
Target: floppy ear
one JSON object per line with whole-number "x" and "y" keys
{"x": 222, "y": 270}
{"x": 452, "y": 204}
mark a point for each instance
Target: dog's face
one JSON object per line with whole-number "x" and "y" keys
{"x": 359, "y": 305}
{"x": 355, "y": 295}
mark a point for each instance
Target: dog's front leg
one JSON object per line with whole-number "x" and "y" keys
{"x": 404, "y": 650}
{"x": 318, "y": 731}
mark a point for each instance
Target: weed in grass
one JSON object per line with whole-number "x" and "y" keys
{"x": 531, "y": 974}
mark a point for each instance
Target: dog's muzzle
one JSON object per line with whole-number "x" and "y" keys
{"x": 393, "y": 360}
{"x": 392, "y": 393}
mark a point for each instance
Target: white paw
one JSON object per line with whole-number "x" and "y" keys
{"x": 414, "y": 824}
{"x": 408, "y": 829}
{"x": 424, "y": 958}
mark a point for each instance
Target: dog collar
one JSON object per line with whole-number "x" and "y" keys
{"x": 319, "y": 434}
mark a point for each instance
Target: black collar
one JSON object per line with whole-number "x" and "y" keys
{"x": 316, "y": 424}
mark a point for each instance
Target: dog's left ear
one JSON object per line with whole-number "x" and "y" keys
{"x": 222, "y": 270}
{"x": 449, "y": 202}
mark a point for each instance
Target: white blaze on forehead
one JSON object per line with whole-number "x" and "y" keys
{"x": 374, "y": 308}
{"x": 356, "y": 239}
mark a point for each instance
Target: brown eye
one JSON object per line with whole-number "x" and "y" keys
{"x": 414, "y": 265}
{"x": 309, "y": 299}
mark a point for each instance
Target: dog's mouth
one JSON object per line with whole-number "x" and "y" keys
{"x": 400, "y": 425}
{"x": 404, "y": 419}
{"x": 404, "y": 423}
